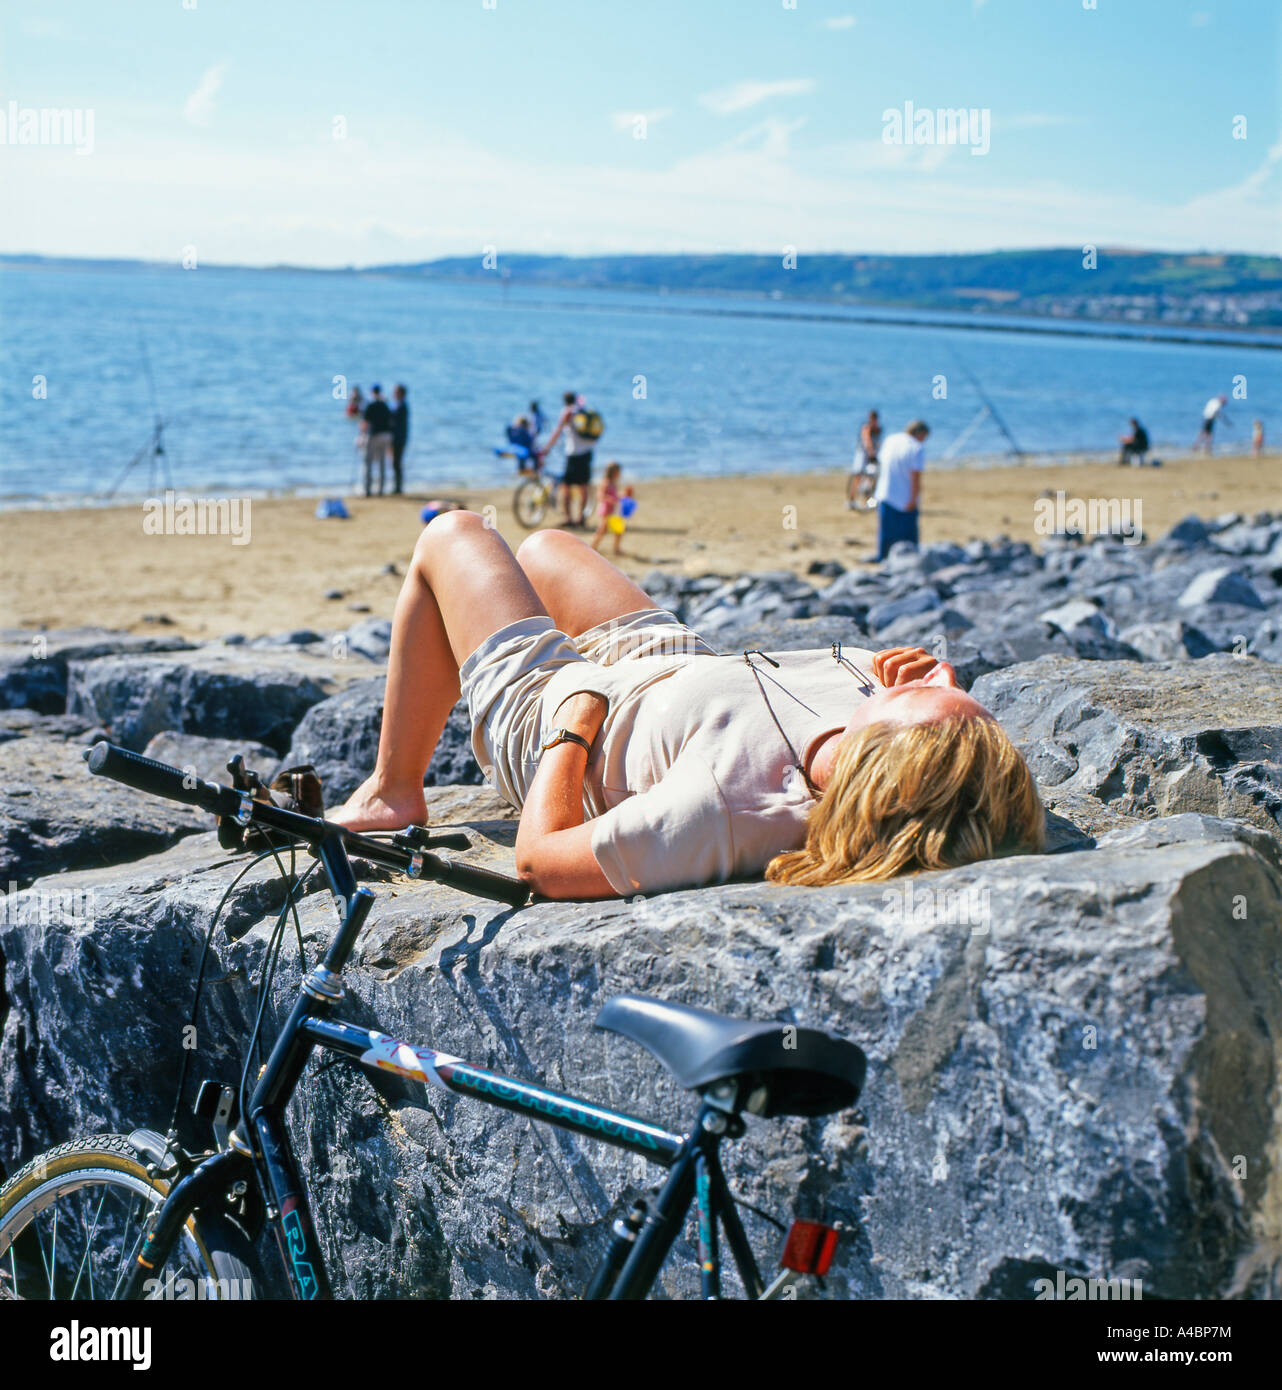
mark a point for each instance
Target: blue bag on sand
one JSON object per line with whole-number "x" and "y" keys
{"x": 331, "y": 507}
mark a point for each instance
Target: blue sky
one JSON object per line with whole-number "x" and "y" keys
{"x": 513, "y": 126}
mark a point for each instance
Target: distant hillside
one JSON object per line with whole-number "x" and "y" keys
{"x": 1125, "y": 286}
{"x": 1139, "y": 285}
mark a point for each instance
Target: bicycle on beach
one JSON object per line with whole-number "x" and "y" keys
{"x": 137, "y": 1216}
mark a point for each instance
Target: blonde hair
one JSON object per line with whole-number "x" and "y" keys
{"x": 922, "y": 796}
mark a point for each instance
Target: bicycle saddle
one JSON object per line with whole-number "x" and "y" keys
{"x": 788, "y": 1070}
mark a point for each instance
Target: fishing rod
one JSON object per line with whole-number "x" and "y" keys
{"x": 154, "y": 449}
{"x": 989, "y": 411}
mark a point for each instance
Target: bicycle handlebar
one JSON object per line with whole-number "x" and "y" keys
{"x": 160, "y": 779}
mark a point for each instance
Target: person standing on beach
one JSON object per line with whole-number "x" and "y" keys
{"x": 1212, "y": 411}
{"x": 578, "y": 454}
{"x": 898, "y": 492}
{"x": 865, "y": 466}
{"x": 536, "y": 420}
{"x": 378, "y": 442}
{"x": 1257, "y": 438}
{"x": 400, "y": 413}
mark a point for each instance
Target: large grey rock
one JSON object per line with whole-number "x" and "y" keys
{"x": 1075, "y": 613}
{"x": 370, "y": 638}
{"x": 919, "y": 603}
{"x": 1191, "y": 531}
{"x": 339, "y": 737}
{"x": 216, "y": 691}
{"x": 1221, "y": 586}
{"x": 33, "y": 665}
{"x": 1150, "y": 739}
{"x": 208, "y": 757}
{"x": 1078, "y": 1073}
{"x": 54, "y": 815}
{"x": 788, "y": 635}
{"x": 1170, "y": 640}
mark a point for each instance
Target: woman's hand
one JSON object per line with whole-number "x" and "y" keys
{"x": 903, "y": 665}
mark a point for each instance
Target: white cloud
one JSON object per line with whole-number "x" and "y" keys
{"x": 433, "y": 192}
{"x": 1244, "y": 200}
{"x": 769, "y": 139}
{"x": 840, "y": 21}
{"x": 199, "y": 106}
{"x": 725, "y": 101}
{"x": 625, "y": 120}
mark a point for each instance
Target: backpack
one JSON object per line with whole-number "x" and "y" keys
{"x": 587, "y": 424}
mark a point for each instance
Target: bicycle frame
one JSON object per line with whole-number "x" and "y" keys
{"x": 261, "y": 1153}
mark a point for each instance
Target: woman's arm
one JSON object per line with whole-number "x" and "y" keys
{"x": 553, "y": 845}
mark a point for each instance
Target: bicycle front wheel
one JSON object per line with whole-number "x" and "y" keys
{"x": 531, "y": 502}
{"x": 73, "y": 1220}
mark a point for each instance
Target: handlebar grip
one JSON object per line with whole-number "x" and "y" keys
{"x": 484, "y": 883}
{"x": 159, "y": 779}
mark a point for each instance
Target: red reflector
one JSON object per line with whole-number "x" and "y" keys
{"x": 809, "y": 1248}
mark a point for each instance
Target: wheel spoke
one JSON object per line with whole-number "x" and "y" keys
{"x": 84, "y": 1259}
{"x": 126, "y": 1262}
{"x": 50, "y": 1263}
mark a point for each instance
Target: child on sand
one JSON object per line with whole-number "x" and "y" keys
{"x": 607, "y": 508}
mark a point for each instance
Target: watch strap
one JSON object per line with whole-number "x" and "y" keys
{"x": 566, "y": 736}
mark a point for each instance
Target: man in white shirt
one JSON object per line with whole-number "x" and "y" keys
{"x": 898, "y": 493}
{"x": 1212, "y": 411}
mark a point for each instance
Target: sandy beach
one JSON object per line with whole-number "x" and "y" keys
{"x": 65, "y": 568}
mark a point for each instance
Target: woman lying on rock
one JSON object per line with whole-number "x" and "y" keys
{"x": 642, "y": 761}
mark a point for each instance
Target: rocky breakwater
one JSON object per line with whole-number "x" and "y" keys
{"x": 1074, "y": 1057}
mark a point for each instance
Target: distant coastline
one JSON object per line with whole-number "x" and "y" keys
{"x": 1138, "y": 291}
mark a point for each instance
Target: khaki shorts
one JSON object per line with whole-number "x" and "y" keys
{"x": 504, "y": 679}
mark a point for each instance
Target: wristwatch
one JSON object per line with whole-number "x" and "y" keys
{"x": 566, "y": 736}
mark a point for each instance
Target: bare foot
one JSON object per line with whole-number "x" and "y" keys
{"x": 371, "y": 807}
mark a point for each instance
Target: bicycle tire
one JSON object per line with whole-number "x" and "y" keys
{"x": 531, "y": 501}
{"x": 214, "y": 1252}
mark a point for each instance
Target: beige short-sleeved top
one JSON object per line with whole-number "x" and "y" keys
{"x": 691, "y": 781}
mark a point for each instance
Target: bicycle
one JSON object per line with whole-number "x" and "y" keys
{"x": 191, "y": 1221}
{"x": 536, "y": 493}
{"x": 864, "y": 499}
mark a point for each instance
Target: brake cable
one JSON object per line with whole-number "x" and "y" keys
{"x": 269, "y": 853}
{"x": 269, "y": 972}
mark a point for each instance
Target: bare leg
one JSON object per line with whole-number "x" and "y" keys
{"x": 462, "y": 586}
{"x": 578, "y": 587}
